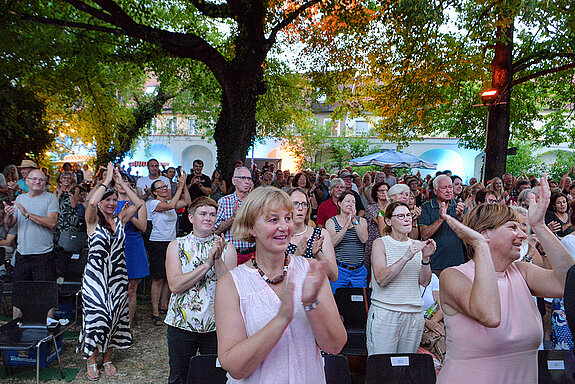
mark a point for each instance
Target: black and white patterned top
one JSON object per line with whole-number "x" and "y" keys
{"x": 308, "y": 250}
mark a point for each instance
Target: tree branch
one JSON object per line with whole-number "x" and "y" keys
{"x": 184, "y": 45}
{"x": 538, "y": 57}
{"x": 542, "y": 73}
{"x": 217, "y": 11}
{"x": 71, "y": 24}
{"x": 290, "y": 18}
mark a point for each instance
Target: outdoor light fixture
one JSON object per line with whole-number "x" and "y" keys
{"x": 488, "y": 97}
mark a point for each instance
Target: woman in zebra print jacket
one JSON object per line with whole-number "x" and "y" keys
{"x": 105, "y": 323}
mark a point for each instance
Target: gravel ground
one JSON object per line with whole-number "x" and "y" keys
{"x": 145, "y": 362}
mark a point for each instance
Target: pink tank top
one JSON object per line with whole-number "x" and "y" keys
{"x": 503, "y": 355}
{"x": 296, "y": 358}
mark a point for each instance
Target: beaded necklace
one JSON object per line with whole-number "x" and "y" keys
{"x": 275, "y": 280}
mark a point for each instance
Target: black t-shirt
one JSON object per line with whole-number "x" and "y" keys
{"x": 195, "y": 190}
{"x": 358, "y": 203}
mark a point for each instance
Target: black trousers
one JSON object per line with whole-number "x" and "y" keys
{"x": 182, "y": 346}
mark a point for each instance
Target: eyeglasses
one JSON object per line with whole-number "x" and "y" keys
{"x": 402, "y": 216}
{"x": 300, "y": 204}
{"x": 36, "y": 179}
{"x": 244, "y": 178}
{"x": 162, "y": 188}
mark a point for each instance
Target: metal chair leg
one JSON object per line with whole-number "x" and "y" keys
{"x": 38, "y": 363}
{"x": 58, "y": 356}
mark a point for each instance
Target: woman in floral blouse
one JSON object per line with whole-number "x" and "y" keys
{"x": 193, "y": 265}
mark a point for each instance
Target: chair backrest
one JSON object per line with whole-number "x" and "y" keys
{"x": 401, "y": 368}
{"x": 73, "y": 241}
{"x": 352, "y": 304}
{"x": 556, "y": 366}
{"x": 35, "y": 299}
{"x": 336, "y": 369}
{"x": 205, "y": 369}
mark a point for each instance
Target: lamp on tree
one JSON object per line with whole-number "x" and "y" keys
{"x": 489, "y": 97}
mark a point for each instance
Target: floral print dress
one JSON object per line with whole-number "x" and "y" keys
{"x": 193, "y": 310}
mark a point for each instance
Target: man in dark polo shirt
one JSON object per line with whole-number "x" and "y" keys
{"x": 449, "y": 247}
{"x": 198, "y": 184}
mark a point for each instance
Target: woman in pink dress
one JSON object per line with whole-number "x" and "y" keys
{"x": 275, "y": 312}
{"x": 492, "y": 324}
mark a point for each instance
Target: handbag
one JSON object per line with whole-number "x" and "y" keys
{"x": 73, "y": 241}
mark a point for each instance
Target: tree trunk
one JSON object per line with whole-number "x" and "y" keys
{"x": 498, "y": 113}
{"x": 236, "y": 126}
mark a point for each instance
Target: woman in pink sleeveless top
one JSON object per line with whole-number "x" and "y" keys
{"x": 275, "y": 312}
{"x": 492, "y": 324}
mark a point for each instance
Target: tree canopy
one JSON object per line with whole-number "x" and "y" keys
{"x": 420, "y": 67}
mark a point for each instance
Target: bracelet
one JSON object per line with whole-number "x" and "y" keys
{"x": 308, "y": 308}
{"x": 424, "y": 263}
{"x": 355, "y": 222}
{"x": 103, "y": 185}
{"x": 28, "y": 215}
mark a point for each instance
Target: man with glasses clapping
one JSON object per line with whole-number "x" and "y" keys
{"x": 36, "y": 214}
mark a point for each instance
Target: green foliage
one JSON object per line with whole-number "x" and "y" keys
{"x": 306, "y": 142}
{"x": 525, "y": 161}
{"x": 23, "y": 132}
{"x": 563, "y": 164}
{"x": 342, "y": 149}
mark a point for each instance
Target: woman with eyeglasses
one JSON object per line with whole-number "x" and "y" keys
{"x": 164, "y": 219}
{"x": 309, "y": 241}
{"x": 349, "y": 234}
{"x": 399, "y": 266}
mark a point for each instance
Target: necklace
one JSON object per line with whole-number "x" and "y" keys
{"x": 301, "y": 233}
{"x": 275, "y": 280}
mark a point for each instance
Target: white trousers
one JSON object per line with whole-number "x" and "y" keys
{"x": 393, "y": 332}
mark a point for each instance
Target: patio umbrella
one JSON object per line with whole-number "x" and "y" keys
{"x": 396, "y": 159}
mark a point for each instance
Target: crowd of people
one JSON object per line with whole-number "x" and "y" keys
{"x": 452, "y": 265}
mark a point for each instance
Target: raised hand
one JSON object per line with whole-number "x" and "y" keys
{"x": 429, "y": 248}
{"x": 9, "y": 210}
{"x": 286, "y": 308}
{"x": 443, "y": 210}
{"x": 317, "y": 244}
{"x": 554, "y": 226}
{"x": 216, "y": 251}
{"x": 301, "y": 245}
{"x": 109, "y": 174}
{"x": 465, "y": 233}
{"x": 182, "y": 179}
{"x": 415, "y": 247}
{"x": 459, "y": 209}
{"x": 117, "y": 177}
{"x": 538, "y": 204}
{"x": 23, "y": 210}
{"x": 415, "y": 213}
{"x": 314, "y": 279}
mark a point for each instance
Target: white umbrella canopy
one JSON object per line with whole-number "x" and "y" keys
{"x": 396, "y": 159}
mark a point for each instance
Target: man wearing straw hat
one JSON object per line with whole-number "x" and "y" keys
{"x": 24, "y": 169}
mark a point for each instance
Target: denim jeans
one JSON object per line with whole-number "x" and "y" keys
{"x": 182, "y": 346}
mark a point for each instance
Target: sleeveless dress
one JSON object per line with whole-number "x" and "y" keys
{"x": 308, "y": 254}
{"x": 502, "y": 355}
{"x": 105, "y": 322}
{"x": 67, "y": 218}
{"x": 136, "y": 256}
{"x": 296, "y": 358}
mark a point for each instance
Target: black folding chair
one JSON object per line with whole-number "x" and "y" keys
{"x": 72, "y": 267}
{"x": 556, "y": 367}
{"x": 34, "y": 299}
{"x": 204, "y": 369}
{"x": 336, "y": 369}
{"x": 353, "y": 304}
{"x": 401, "y": 368}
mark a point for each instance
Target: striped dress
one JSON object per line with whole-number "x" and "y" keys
{"x": 105, "y": 322}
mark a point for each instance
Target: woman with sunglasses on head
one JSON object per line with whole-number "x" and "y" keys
{"x": 164, "y": 219}
{"x": 399, "y": 266}
{"x": 105, "y": 323}
{"x": 493, "y": 326}
{"x": 349, "y": 234}
{"x": 309, "y": 241}
{"x": 275, "y": 312}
